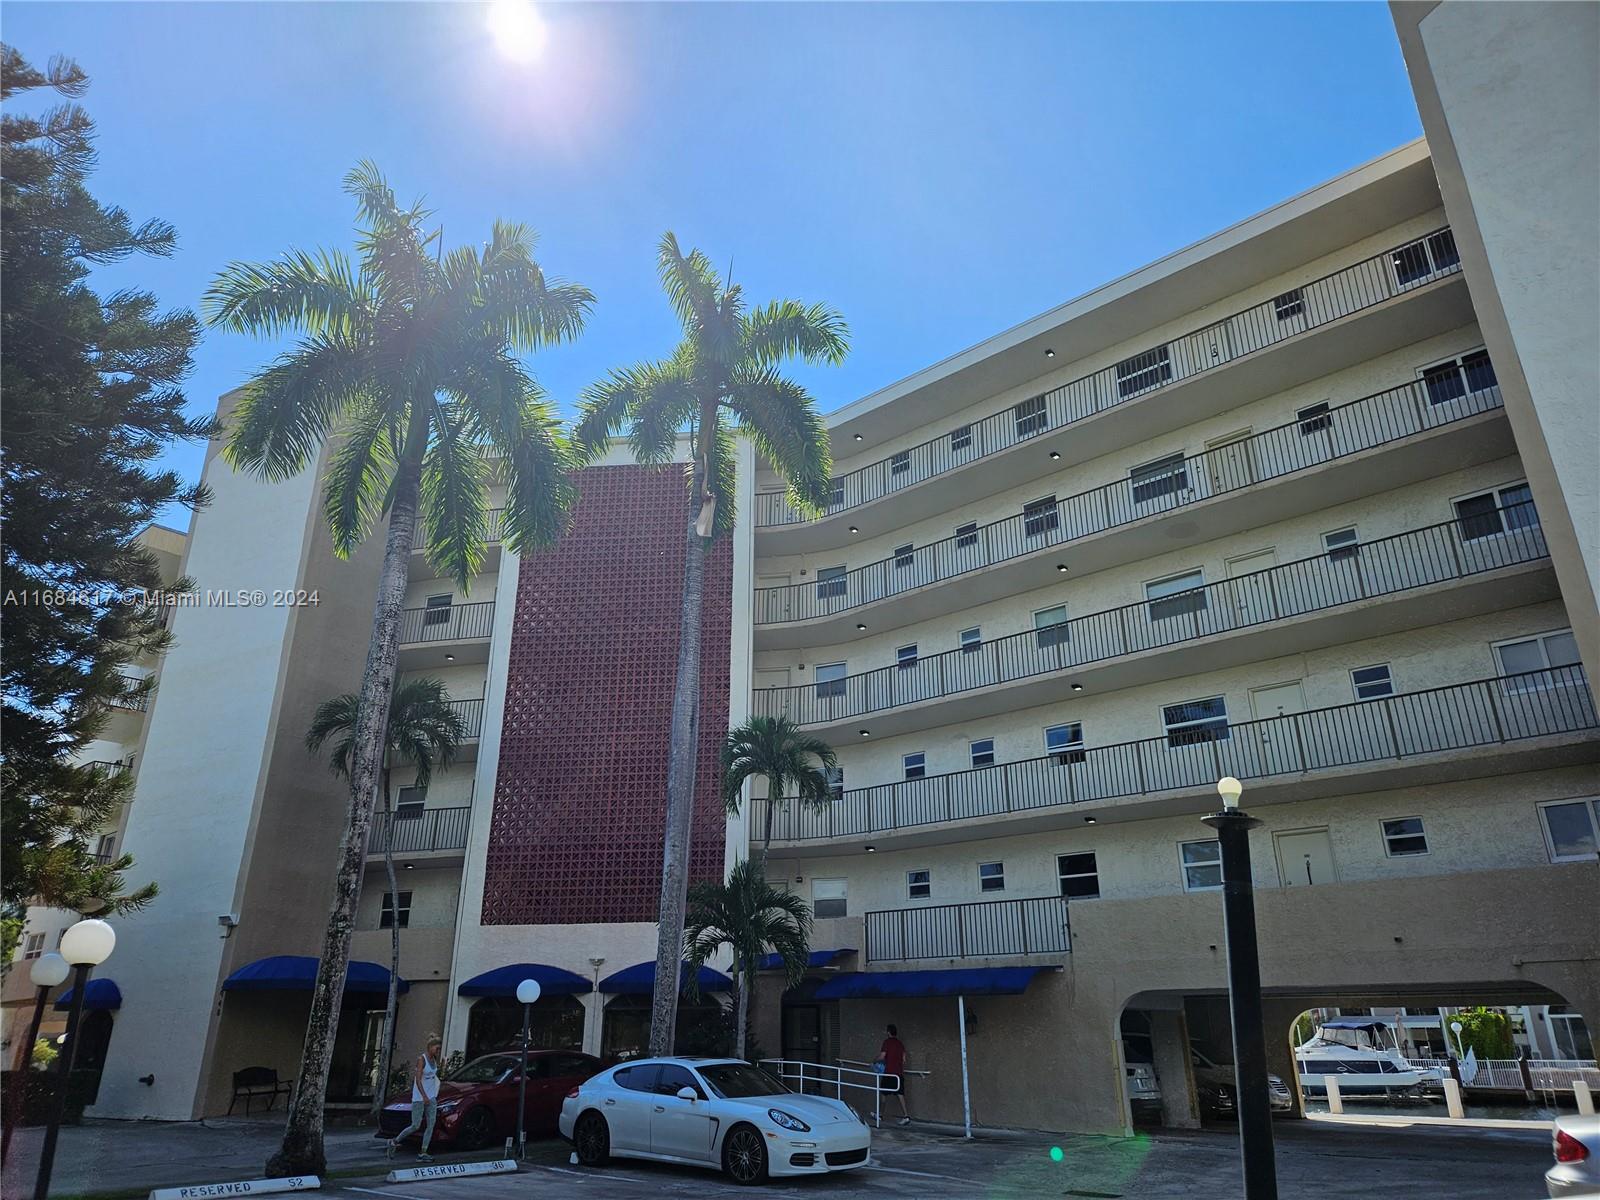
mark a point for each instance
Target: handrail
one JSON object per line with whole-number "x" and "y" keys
{"x": 1297, "y": 310}
{"x": 1453, "y": 549}
{"x": 433, "y": 829}
{"x": 980, "y": 929}
{"x": 1502, "y": 708}
{"x": 794, "y": 1070}
{"x": 1298, "y": 445}
{"x": 447, "y": 623}
{"x": 471, "y": 714}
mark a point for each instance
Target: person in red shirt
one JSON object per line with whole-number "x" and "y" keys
{"x": 892, "y": 1054}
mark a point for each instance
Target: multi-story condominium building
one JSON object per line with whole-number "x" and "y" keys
{"x": 1262, "y": 508}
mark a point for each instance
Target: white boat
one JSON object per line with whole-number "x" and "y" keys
{"x": 1363, "y": 1054}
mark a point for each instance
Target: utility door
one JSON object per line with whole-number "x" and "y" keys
{"x": 1305, "y": 857}
{"x": 1252, "y": 593}
{"x": 1277, "y": 740}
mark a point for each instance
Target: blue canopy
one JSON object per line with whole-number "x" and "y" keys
{"x": 298, "y": 973}
{"x": 817, "y": 958}
{"x": 965, "y": 981}
{"x": 640, "y": 980}
{"x": 101, "y": 995}
{"x": 1354, "y": 1023}
{"x": 502, "y": 981}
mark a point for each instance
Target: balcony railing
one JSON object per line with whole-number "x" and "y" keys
{"x": 446, "y": 623}
{"x": 1434, "y": 554}
{"x": 1299, "y": 445}
{"x": 432, "y": 829}
{"x": 987, "y": 929}
{"x": 471, "y": 714}
{"x": 1351, "y": 289}
{"x": 1484, "y": 712}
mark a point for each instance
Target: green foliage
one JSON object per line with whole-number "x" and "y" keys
{"x": 424, "y": 729}
{"x": 92, "y": 399}
{"x": 44, "y": 1053}
{"x": 746, "y": 915}
{"x": 1484, "y": 1030}
{"x": 793, "y": 763}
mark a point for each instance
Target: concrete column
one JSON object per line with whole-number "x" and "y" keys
{"x": 594, "y": 1005}
{"x": 1280, "y": 1016}
{"x": 1169, "y": 1041}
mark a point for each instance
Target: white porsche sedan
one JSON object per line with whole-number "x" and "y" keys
{"x": 711, "y": 1112}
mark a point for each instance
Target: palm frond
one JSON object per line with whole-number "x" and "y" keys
{"x": 782, "y": 419}
{"x": 356, "y": 488}
{"x": 516, "y": 303}
{"x": 318, "y": 293}
{"x": 690, "y": 282}
{"x": 287, "y": 410}
{"x": 723, "y": 465}
{"x": 788, "y": 329}
{"x": 657, "y": 400}
{"x": 335, "y": 718}
{"x": 455, "y": 509}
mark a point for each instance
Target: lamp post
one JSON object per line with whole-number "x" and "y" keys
{"x": 1233, "y": 828}
{"x": 528, "y": 994}
{"x": 1455, "y": 1028}
{"x": 85, "y": 946}
{"x": 47, "y": 971}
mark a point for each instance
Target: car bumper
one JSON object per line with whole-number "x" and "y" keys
{"x": 819, "y": 1153}
{"x": 1572, "y": 1179}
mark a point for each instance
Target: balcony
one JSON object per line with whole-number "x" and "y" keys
{"x": 471, "y": 714}
{"x": 433, "y": 829}
{"x": 1345, "y": 436}
{"x": 432, "y": 636}
{"x": 987, "y": 929}
{"x": 1403, "y": 271}
{"x": 1414, "y": 728}
{"x": 1131, "y": 638}
{"x": 422, "y": 569}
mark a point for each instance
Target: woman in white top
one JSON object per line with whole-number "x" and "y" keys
{"x": 424, "y": 1099}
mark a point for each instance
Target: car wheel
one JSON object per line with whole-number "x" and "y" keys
{"x": 476, "y": 1130}
{"x": 591, "y": 1137}
{"x": 744, "y": 1155}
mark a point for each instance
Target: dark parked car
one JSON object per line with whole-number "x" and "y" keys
{"x": 478, "y": 1103}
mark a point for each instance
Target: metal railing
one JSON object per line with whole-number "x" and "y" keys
{"x": 1459, "y": 716}
{"x": 471, "y": 714}
{"x": 1505, "y": 1074}
{"x": 1297, "y": 445}
{"x": 985, "y": 929}
{"x": 822, "y": 1079}
{"x": 446, "y": 623}
{"x": 136, "y": 703}
{"x": 432, "y": 829}
{"x": 110, "y": 767}
{"x": 1372, "y": 281}
{"x": 1345, "y": 575}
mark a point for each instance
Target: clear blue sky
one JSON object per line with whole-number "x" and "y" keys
{"x": 937, "y": 172}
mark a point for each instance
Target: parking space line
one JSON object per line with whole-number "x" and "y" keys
{"x": 376, "y": 1192}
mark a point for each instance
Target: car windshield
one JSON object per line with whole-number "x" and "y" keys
{"x": 484, "y": 1070}
{"x": 737, "y": 1081}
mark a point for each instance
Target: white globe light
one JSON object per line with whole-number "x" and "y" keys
{"x": 1230, "y": 789}
{"x": 88, "y": 943}
{"x": 49, "y": 970}
{"x": 528, "y": 991}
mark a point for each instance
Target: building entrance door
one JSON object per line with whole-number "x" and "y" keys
{"x": 1305, "y": 857}
{"x": 1276, "y": 738}
{"x": 802, "y": 1033}
{"x": 1252, "y": 598}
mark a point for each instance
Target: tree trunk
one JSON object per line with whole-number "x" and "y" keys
{"x": 392, "y": 1005}
{"x": 302, "y": 1150}
{"x": 741, "y": 1009}
{"x": 682, "y": 756}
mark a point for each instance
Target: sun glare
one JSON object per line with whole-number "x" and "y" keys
{"x": 518, "y": 30}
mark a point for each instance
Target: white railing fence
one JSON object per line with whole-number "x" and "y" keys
{"x": 1547, "y": 1074}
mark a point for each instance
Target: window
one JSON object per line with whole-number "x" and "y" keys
{"x": 915, "y": 765}
{"x": 971, "y": 640}
{"x": 831, "y": 583}
{"x": 1029, "y": 417}
{"x": 1290, "y": 304}
{"x": 1176, "y": 595}
{"x": 410, "y": 803}
{"x": 1369, "y": 683}
{"x": 1538, "y": 655}
{"x": 829, "y": 898}
{"x": 830, "y": 680}
{"x": 1079, "y": 876}
{"x": 1065, "y": 742}
{"x": 1571, "y": 829}
{"x": 1196, "y": 721}
{"x": 900, "y": 463}
{"x": 906, "y": 657}
{"x": 438, "y": 611}
{"x": 638, "y": 1079}
{"x": 961, "y": 439}
{"x": 1202, "y": 865}
{"x": 1160, "y": 478}
{"x": 1143, "y": 372}
{"x": 392, "y": 914}
{"x": 835, "y": 778}
{"x": 966, "y": 535}
{"x": 1491, "y": 513}
{"x": 1403, "y": 837}
{"x": 919, "y": 885}
{"x": 992, "y": 877}
{"x": 674, "y": 1078}
{"x": 904, "y": 556}
{"x": 33, "y": 947}
{"x": 105, "y": 848}
{"x": 982, "y": 752}
{"x": 1314, "y": 418}
{"x": 1342, "y": 545}
{"x": 1459, "y": 377}
{"x": 1040, "y": 516}
{"x": 1425, "y": 257}
{"x": 1050, "y": 627}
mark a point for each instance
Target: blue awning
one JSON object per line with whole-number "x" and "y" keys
{"x": 964, "y": 981}
{"x": 817, "y": 958}
{"x": 298, "y": 973}
{"x": 502, "y": 981}
{"x": 640, "y": 980}
{"x": 102, "y": 995}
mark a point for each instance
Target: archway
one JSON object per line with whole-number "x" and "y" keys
{"x": 495, "y": 1023}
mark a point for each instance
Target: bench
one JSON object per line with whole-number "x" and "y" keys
{"x": 251, "y": 1083}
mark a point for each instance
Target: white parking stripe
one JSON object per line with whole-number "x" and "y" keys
{"x": 872, "y": 1166}
{"x": 376, "y": 1192}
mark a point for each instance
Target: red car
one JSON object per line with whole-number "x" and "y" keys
{"x": 478, "y": 1104}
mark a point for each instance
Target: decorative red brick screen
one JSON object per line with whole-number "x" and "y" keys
{"x": 581, "y": 788}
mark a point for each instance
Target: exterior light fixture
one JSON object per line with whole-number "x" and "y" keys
{"x": 1077, "y": 687}
{"x": 410, "y": 866}
{"x": 88, "y": 943}
{"x": 1054, "y": 454}
{"x": 870, "y": 849}
{"x": 865, "y": 732}
{"x": 1090, "y": 820}
{"x": 449, "y": 658}
{"x": 1049, "y": 353}
{"x": 1230, "y": 789}
{"x": 860, "y": 627}
{"x": 858, "y": 437}
{"x": 527, "y": 995}
{"x": 1062, "y": 567}
{"x": 853, "y": 529}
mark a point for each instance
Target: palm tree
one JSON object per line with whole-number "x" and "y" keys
{"x": 424, "y": 729}
{"x": 775, "y": 749}
{"x": 722, "y": 377}
{"x": 747, "y": 915}
{"x": 408, "y": 364}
